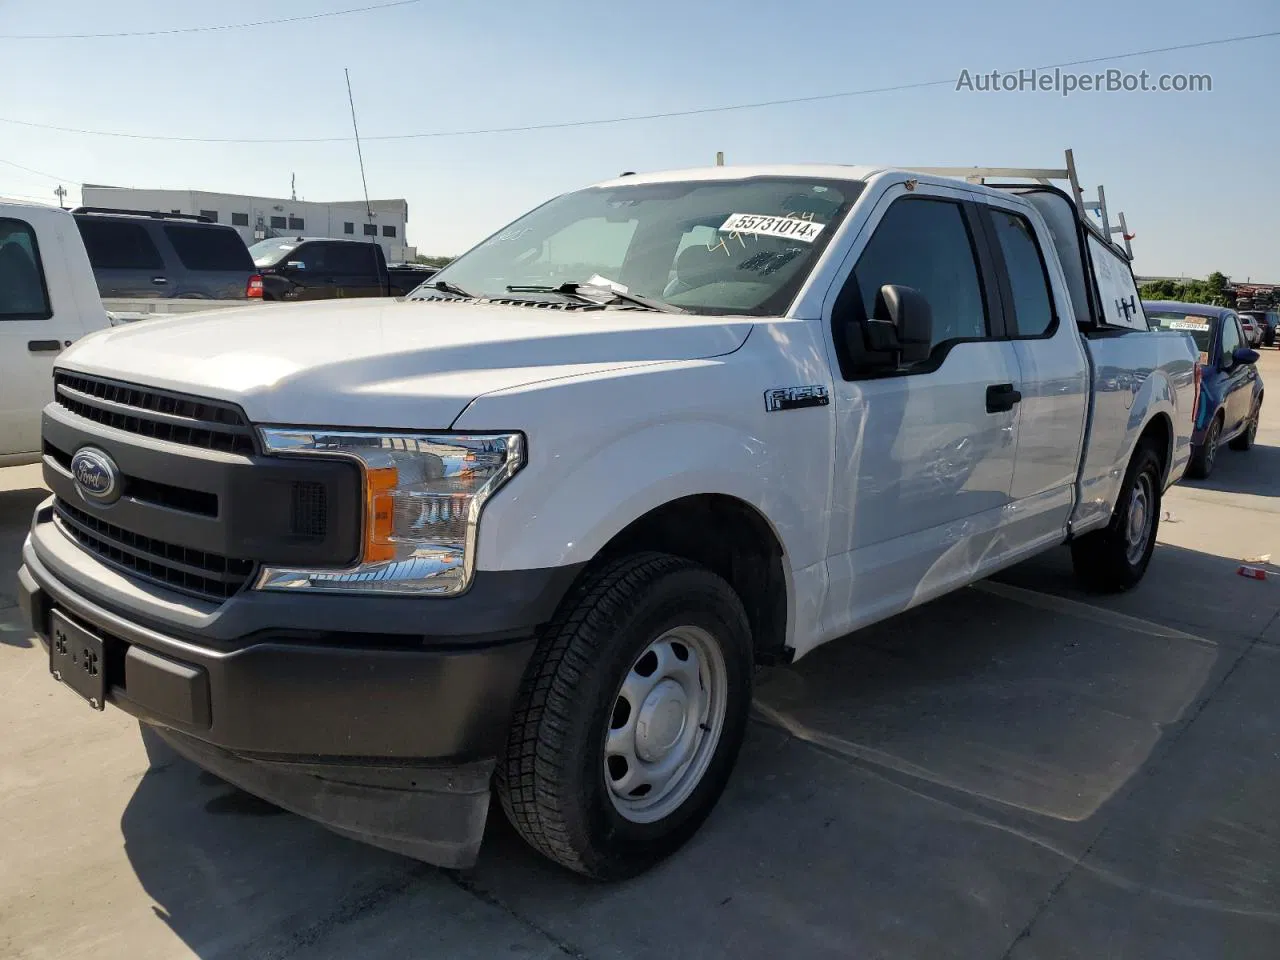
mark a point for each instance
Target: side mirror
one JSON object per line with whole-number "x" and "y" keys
{"x": 1244, "y": 355}
{"x": 902, "y": 323}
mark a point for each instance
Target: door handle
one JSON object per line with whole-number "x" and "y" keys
{"x": 159, "y": 280}
{"x": 1002, "y": 397}
{"x": 44, "y": 346}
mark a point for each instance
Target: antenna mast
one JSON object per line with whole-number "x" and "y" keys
{"x": 359, "y": 153}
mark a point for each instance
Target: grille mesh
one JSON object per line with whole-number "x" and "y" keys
{"x": 155, "y": 413}
{"x": 205, "y": 575}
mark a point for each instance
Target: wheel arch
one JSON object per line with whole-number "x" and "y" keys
{"x": 733, "y": 539}
{"x": 1158, "y": 431}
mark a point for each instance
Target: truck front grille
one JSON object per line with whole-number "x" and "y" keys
{"x": 205, "y": 575}
{"x": 161, "y": 414}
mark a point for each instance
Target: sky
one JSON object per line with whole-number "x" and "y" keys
{"x": 1196, "y": 174}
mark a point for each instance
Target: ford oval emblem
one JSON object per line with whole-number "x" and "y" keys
{"x": 96, "y": 475}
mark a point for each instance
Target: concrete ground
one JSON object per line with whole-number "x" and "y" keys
{"x": 1017, "y": 770}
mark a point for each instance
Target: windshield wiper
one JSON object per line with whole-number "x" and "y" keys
{"x": 572, "y": 289}
{"x": 444, "y": 286}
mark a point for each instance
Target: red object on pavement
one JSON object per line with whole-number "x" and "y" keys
{"x": 1253, "y": 573}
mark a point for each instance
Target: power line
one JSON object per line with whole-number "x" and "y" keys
{"x": 206, "y": 29}
{"x": 38, "y": 173}
{"x": 632, "y": 118}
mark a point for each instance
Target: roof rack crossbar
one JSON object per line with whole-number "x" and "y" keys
{"x": 1046, "y": 176}
{"x": 153, "y": 214}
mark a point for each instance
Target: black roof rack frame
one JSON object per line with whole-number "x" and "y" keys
{"x": 152, "y": 214}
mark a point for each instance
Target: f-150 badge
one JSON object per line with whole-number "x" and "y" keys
{"x": 794, "y": 398}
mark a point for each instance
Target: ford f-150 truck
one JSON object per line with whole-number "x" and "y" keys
{"x": 530, "y": 530}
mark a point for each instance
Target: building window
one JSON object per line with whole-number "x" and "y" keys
{"x": 295, "y": 223}
{"x": 348, "y": 227}
{"x": 370, "y": 229}
{"x": 239, "y": 219}
{"x": 210, "y": 214}
{"x": 277, "y": 223}
{"x": 175, "y": 211}
{"x": 388, "y": 231}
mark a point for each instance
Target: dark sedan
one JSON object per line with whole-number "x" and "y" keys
{"x": 1230, "y": 398}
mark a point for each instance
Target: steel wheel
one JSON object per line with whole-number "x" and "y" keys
{"x": 1138, "y": 523}
{"x": 1211, "y": 446}
{"x": 667, "y": 718}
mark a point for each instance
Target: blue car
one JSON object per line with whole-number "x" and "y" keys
{"x": 1230, "y": 395}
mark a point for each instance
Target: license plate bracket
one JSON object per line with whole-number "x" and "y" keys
{"x": 78, "y": 659}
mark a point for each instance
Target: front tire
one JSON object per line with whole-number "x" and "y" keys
{"x": 630, "y": 716}
{"x": 1115, "y": 559}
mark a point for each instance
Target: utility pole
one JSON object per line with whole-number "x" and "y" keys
{"x": 719, "y": 158}
{"x": 293, "y": 186}
{"x": 60, "y": 193}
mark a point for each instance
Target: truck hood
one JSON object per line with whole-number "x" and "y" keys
{"x": 387, "y": 363}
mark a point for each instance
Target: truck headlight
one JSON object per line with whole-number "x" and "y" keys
{"x": 423, "y": 494}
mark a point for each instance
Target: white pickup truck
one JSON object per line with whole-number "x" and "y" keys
{"x": 49, "y": 300}
{"x": 533, "y": 529}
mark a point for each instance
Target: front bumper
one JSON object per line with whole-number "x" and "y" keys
{"x": 380, "y": 734}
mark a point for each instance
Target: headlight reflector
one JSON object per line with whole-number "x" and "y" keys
{"x": 423, "y": 494}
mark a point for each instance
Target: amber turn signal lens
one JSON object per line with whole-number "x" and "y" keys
{"x": 379, "y": 482}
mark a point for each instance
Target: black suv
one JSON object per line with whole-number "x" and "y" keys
{"x": 140, "y": 254}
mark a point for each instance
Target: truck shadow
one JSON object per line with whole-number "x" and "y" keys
{"x": 965, "y": 754}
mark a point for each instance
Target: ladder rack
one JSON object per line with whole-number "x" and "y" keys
{"x": 1047, "y": 176}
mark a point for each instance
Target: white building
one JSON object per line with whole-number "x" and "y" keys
{"x": 259, "y": 218}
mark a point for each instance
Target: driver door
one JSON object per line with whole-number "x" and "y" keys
{"x": 924, "y": 458}
{"x": 1240, "y": 376}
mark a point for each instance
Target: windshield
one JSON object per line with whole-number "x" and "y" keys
{"x": 1200, "y": 328}
{"x": 267, "y": 253}
{"x": 709, "y": 247}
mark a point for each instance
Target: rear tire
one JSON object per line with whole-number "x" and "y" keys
{"x": 1205, "y": 455}
{"x": 630, "y": 716}
{"x": 1244, "y": 441}
{"x": 1115, "y": 559}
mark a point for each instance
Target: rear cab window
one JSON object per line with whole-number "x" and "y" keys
{"x": 205, "y": 248}
{"x": 24, "y": 294}
{"x": 1031, "y": 296}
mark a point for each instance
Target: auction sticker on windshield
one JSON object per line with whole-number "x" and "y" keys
{"x": 792, "y": 228}
{"x": 1189, "y": 324}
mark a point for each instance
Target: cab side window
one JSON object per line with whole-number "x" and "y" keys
{"x": 925, "y": 244}
{"x": 23, "y": 295}
{"x": 1032, "y": 298}
{"x": 1231, "y": 336}
{"x": 311, "y": 256}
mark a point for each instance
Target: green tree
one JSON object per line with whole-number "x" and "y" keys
{"x": 1214, "y": 290}
{"x": 1217, "y": 289}
{"x": 433, "y": 261}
